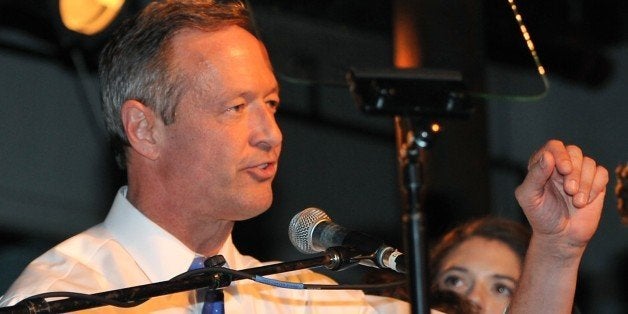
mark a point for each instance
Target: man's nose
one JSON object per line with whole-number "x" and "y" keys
{"x": 267, "y": 133}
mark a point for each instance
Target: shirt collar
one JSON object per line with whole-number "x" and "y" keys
{"x": 158, "y": 253}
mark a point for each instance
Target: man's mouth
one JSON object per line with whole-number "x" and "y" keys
{"x": 263, "y": 171}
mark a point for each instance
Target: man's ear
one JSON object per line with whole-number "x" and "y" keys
{"x": 141, "y": 126}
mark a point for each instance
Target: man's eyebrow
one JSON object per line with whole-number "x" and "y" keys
{"x": 247, "y": 94}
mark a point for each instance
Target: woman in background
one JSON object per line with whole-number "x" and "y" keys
{"x": 481, "y": 261}
{"x": 562, "y": 197}
{"x": 474, "y": 268}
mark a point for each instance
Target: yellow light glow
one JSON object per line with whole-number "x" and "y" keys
{"x": 530, "y": 45}
{"x": 541, "y": 70}
{"x": 435, "y": 127}
{"x": 528, "y": 39}
{"x": 88, "y": 16}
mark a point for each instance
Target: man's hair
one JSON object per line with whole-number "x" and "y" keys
{"x": 136, "y": 62}
{"x": 515, "y": 235}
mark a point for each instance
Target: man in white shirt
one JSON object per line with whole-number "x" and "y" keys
{"x": 190, "y": 99}
{"x": 190, "y": 96}
{"x": 128, "y": 250}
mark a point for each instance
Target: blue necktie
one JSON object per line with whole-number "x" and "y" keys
{"x": 213, "y": 299}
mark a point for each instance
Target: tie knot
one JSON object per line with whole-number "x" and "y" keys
{"x": 213, "y": 300}
{"x": 202, "y": 262}
{"x": 198, "y": 263}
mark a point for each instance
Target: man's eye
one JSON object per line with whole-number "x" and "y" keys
{"x": 236, "y": 108}
{"x": 273, "y": 104}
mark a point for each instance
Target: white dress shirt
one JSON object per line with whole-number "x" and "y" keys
{"x": 128, "y": 249}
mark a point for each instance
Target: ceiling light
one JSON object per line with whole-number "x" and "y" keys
{"x": 88, "y": 17}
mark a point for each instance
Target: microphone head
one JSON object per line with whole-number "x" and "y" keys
{"x": 302, "y": 226}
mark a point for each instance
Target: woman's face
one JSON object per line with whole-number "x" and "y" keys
{"x": 483, "y": 271}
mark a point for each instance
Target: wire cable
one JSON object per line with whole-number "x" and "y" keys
{"x": 535, "y": 57}
{"x": 215, "y": 270}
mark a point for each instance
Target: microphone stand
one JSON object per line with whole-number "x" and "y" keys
{"x": 410, "y": 96}
{"x": 412, "y": 137}
{"x": 335, "y": 258}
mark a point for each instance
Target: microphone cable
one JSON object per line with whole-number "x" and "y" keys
{"x": 287, "y": 284}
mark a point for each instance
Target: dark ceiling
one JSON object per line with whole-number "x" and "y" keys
{"x": 572, "y": 36}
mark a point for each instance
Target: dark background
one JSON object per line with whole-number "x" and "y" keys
{"x": 58, "y": 176}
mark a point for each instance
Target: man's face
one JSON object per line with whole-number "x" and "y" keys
{"x": 221, "y": 152}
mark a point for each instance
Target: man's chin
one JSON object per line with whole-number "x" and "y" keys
{"x": 255, "y": 209}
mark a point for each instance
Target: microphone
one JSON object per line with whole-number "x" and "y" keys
{"x": 312, "y": 231}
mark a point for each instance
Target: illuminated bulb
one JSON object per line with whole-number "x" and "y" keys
{"x": 88, "y": 17}
{"x": 526, "y": 36}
